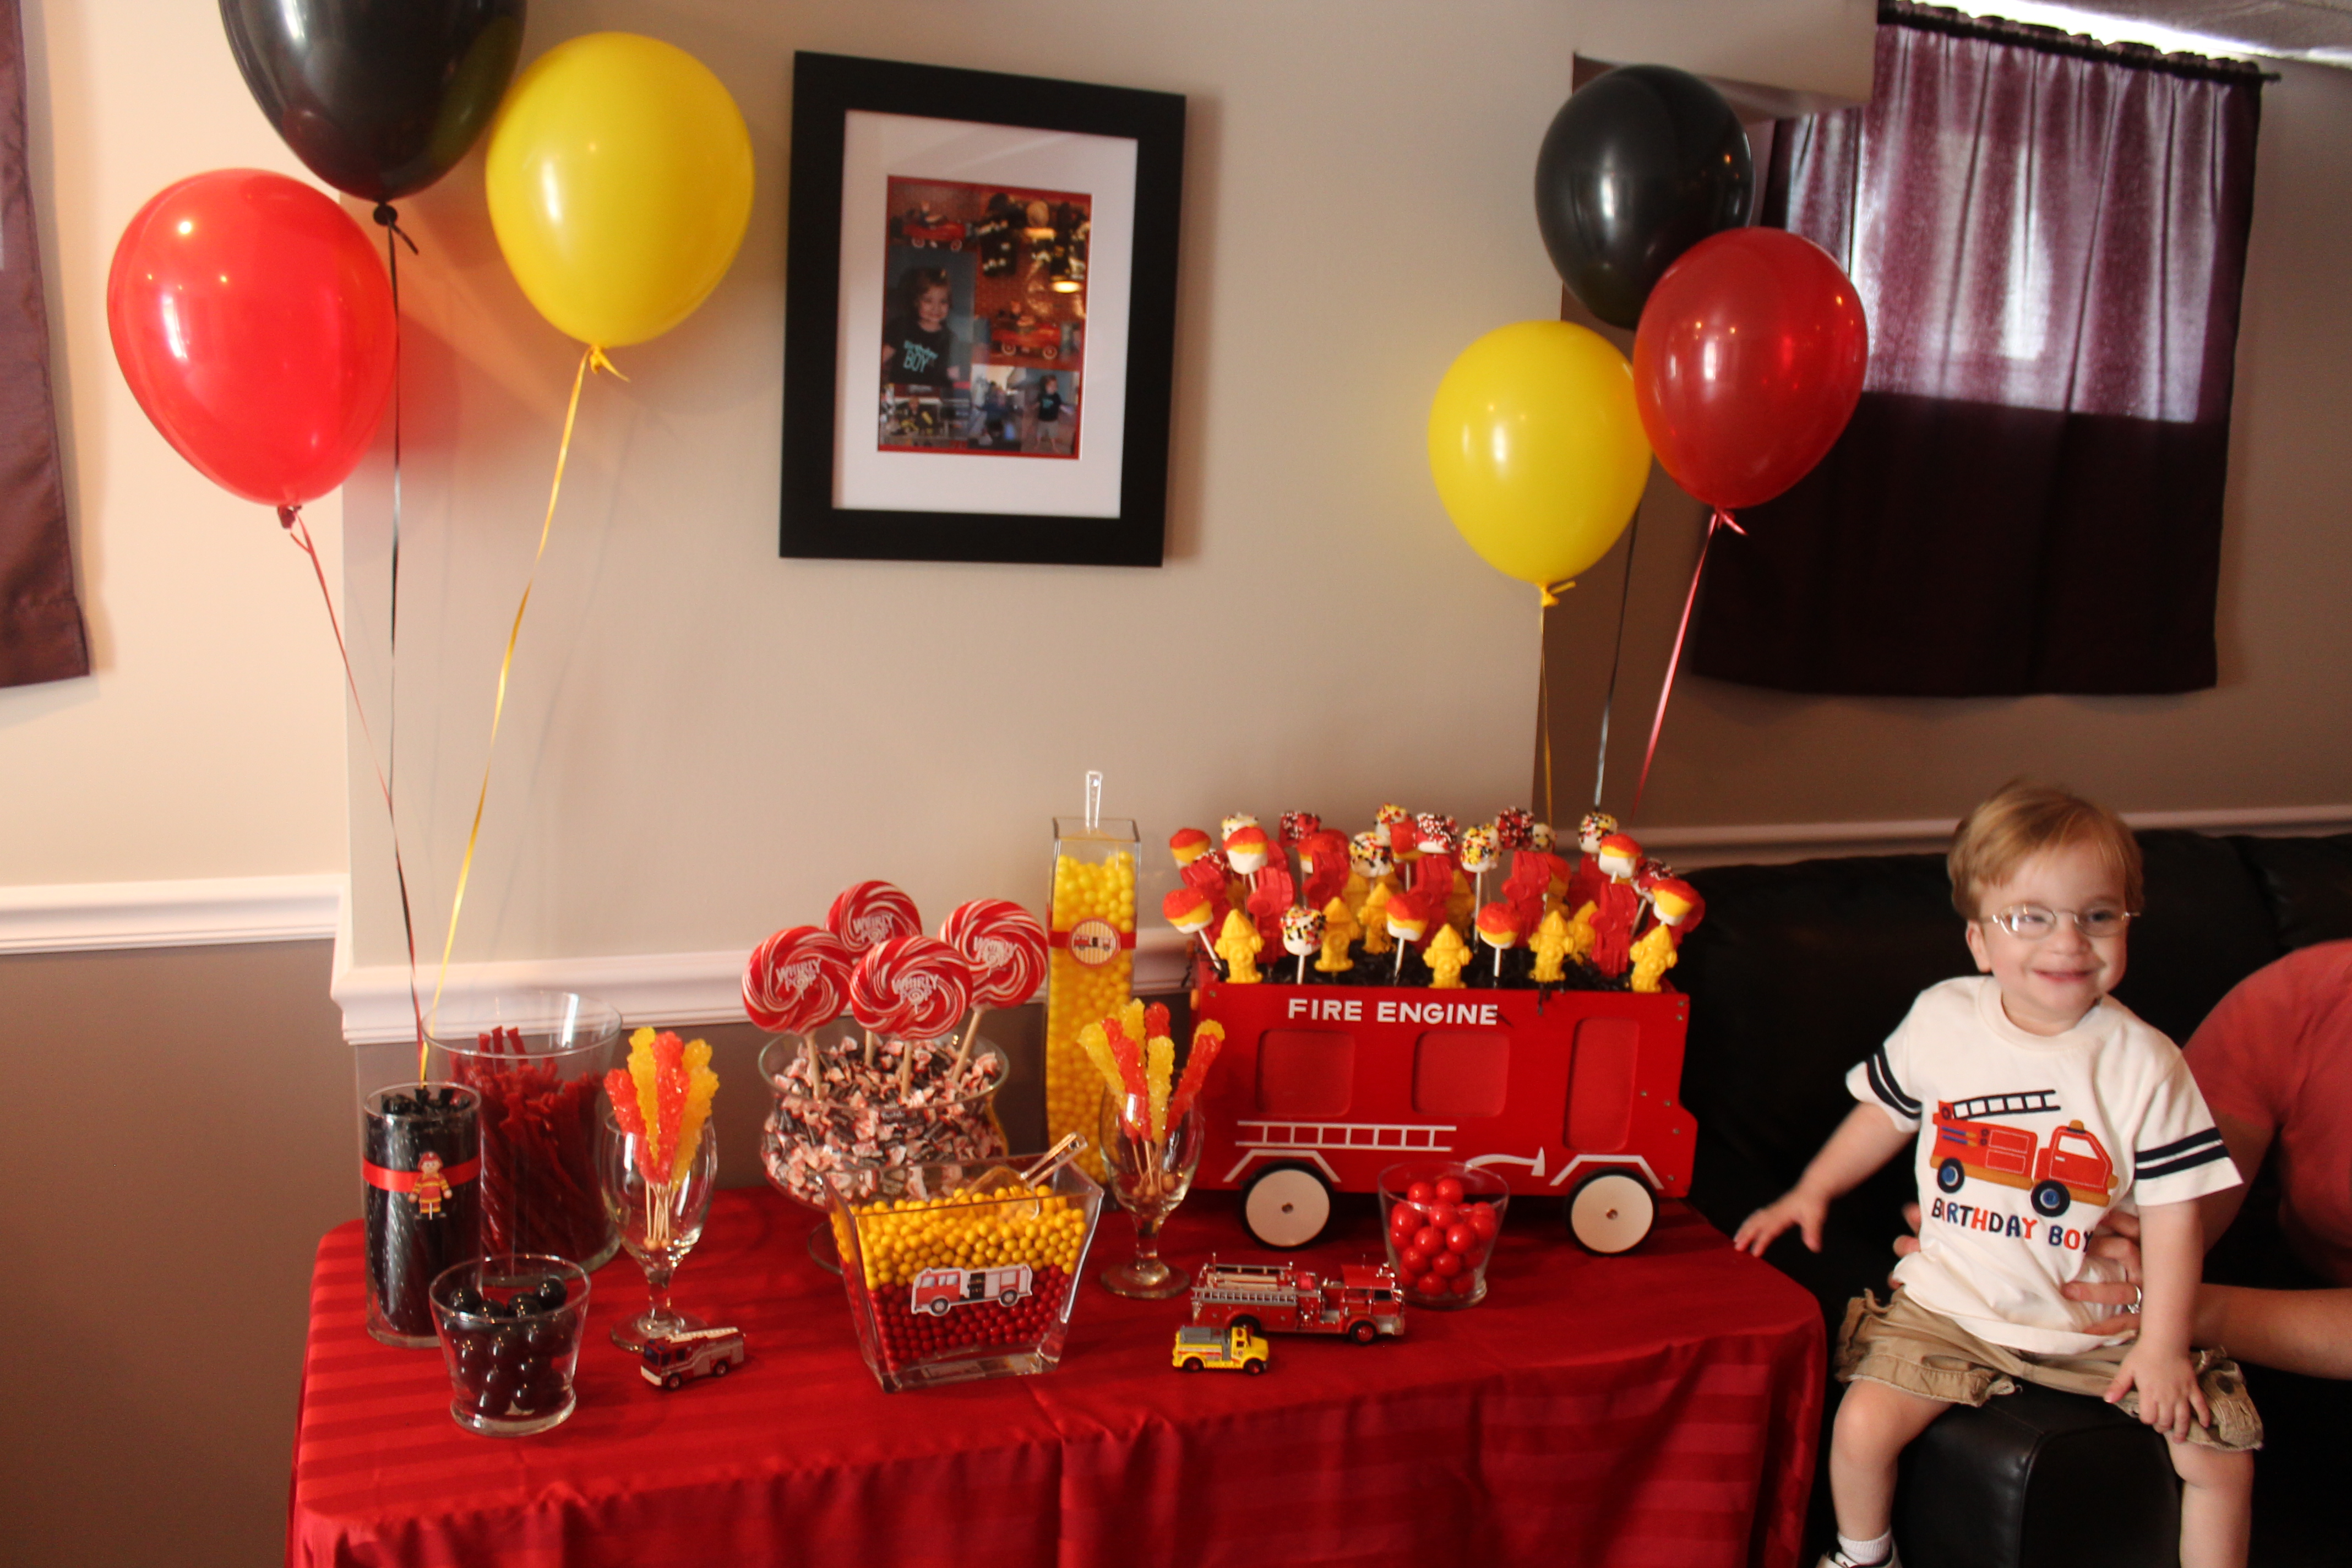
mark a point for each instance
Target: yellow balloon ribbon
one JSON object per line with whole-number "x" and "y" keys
{"x": 591, "y": 358}
{"x": 619, "y": 177}
{"x": 1538, "y": 449}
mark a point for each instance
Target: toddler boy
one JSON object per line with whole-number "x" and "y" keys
{"x": 2033, "y": 1102}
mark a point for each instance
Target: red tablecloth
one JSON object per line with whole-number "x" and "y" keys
{"x": 1654, "y": 1409}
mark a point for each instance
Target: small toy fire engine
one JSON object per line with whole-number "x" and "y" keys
{"x": 1234, "y": 1350}
{"x": 1362, "y": 1303}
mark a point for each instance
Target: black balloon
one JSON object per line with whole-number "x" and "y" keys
{"x": 379, "y": 98}
{"x": 1639, "y": 165}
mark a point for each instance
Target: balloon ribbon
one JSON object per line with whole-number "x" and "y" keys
{"x": 289, "y": 518}
{"x": 591, "y": 358}
{"x": 1721, "y": 519}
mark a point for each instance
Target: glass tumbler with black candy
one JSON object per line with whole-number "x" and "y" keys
{"x": 538, "y": 1059}
{"x": 510, "y": 1329}
{"x": 422, "y": 1166}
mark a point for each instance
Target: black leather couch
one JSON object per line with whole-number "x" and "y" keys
{"x": 1800, "y": 970}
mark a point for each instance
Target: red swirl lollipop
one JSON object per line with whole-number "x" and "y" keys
{"x": 797, "y": 980}
{"x": 916, "y": 985}
{"x": 867, "y": 914}
{"x": 1005, "y": 947}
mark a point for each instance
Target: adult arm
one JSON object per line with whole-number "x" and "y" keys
{"x": 2248, "y": 1142}
{"x": 1864, "y": 1141}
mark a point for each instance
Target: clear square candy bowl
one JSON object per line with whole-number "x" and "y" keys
{"x": 960, "y": 1271}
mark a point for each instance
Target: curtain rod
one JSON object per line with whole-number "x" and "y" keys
{"x": 2073, "y": 46}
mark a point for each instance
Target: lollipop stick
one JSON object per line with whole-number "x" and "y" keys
{"x": 869, "y": 1048}
{"x": 955, "y": 1068}
{"x": 906, "y": 1066}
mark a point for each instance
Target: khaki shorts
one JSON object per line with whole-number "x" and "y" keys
{"x": 1907, "y": 1346}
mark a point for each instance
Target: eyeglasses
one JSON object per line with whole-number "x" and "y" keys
{"x": 2031, "y": 923}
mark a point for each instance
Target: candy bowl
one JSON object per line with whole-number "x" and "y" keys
{"x": 960, "y": 1270}
{"x": 510, "y": 1328}
{"x": 942, "y": 1110}
{"x": 1440, "y": 1220}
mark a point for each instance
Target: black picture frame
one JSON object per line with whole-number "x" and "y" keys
{"x": 826, "y": 88}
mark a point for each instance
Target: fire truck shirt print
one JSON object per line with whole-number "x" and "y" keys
{"x": 2024, "y": 1143}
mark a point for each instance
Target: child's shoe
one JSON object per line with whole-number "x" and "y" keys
{"x": 1837, "y": 1559}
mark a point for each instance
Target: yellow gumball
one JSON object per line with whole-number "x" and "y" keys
{"x": 619, "y": 178}
{"x": 1537, "y": 449}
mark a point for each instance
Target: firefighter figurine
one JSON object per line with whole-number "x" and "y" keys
{"x": 432, "y": 1189}
{"x": 1239, "y": 945}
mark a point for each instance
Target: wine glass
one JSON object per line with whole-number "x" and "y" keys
{"x": 1149, "y": 1176}
{"x": 659, "y": 1223}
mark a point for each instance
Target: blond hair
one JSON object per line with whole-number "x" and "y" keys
{"x": 2021, "y": 820}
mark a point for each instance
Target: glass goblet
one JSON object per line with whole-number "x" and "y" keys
{"x": 1148, "y": 1176}
{"x": 659, "y": 1223}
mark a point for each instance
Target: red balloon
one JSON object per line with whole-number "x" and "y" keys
{"x": 255, "y": 325}
{"x": 1748, "y": 364}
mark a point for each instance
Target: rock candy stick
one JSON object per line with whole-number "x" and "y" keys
{"x": 1208, "y": 1037}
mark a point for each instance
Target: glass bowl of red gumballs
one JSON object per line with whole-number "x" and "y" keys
{"x": 1441, "y": 1221}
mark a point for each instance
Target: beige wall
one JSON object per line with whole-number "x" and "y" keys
{"x": 208, "y": 740}
{"x": 2272, "y": 734}
{"x": 702, "y": 742}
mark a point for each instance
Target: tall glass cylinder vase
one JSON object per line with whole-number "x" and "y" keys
{"x": 538, "y": 1059}
{"x": 420, "y": 1162}
{"x": 1090, "y": 963}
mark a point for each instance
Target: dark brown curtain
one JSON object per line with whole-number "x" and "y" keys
{"x": 2049, "y": 238}
{"x": 41, "y": 634}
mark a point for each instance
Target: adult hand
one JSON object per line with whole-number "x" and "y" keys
{"x": 2118, "y": 1238}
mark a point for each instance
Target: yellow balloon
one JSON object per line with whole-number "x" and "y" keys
{"x": 619, "y": 178}
{"x": 1537, "y": 449}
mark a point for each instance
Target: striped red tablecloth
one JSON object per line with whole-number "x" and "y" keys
{"x": 1655, "y": 1408}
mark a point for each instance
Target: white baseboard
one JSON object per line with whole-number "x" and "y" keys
{"x": 665, "y": 988}
{"x": 199, "y": 912}
{"x": 675, "y": 988}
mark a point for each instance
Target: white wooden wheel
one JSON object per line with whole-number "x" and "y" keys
{"x": 1611, "y": 1211}
{"x": 1287, "y": 1205}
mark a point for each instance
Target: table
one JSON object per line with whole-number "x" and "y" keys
{"x": 1659, "y": 1407}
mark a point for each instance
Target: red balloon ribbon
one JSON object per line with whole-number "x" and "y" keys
{"x": 1721, "y": 518}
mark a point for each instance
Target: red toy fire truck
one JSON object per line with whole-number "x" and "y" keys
{"x": 1320, "y": 1087}
{"x": 2073, "y": 1164}
{"x": 1362, "y": 1303}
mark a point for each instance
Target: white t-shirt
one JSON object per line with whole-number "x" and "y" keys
{"x": 2025, "y": 1142}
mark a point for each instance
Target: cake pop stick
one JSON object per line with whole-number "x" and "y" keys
{"x": 1478, "y": 848}
{"x": 1498, "y": 927}
{"x": 1302, "y": 934}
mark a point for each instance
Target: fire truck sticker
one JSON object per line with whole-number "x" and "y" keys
{"x": 2070, "y": 1164}
{"x": 936, "y": 1290}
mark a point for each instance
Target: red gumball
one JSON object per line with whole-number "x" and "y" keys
{"x": 254, "y": 322}
{"x": 1413, "y": 1260}
{"x": 1443, "y": 1215}
{"x": 1429, "y": 1239}
{"x": 1461, "y": 1238}
{"x": 1447, "y": 1264}
{"x": 1481, "y": 1219}
{"x": 1449, "y": 1189}
{"x": 1420, "y": 1193}
{"x": 1430, "y": 1285}
{"x": 1748, "y": 364}
{"x": 1462, "y": 1284}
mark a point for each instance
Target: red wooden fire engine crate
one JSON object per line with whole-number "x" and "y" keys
{"x": 1320, "y": 1087}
